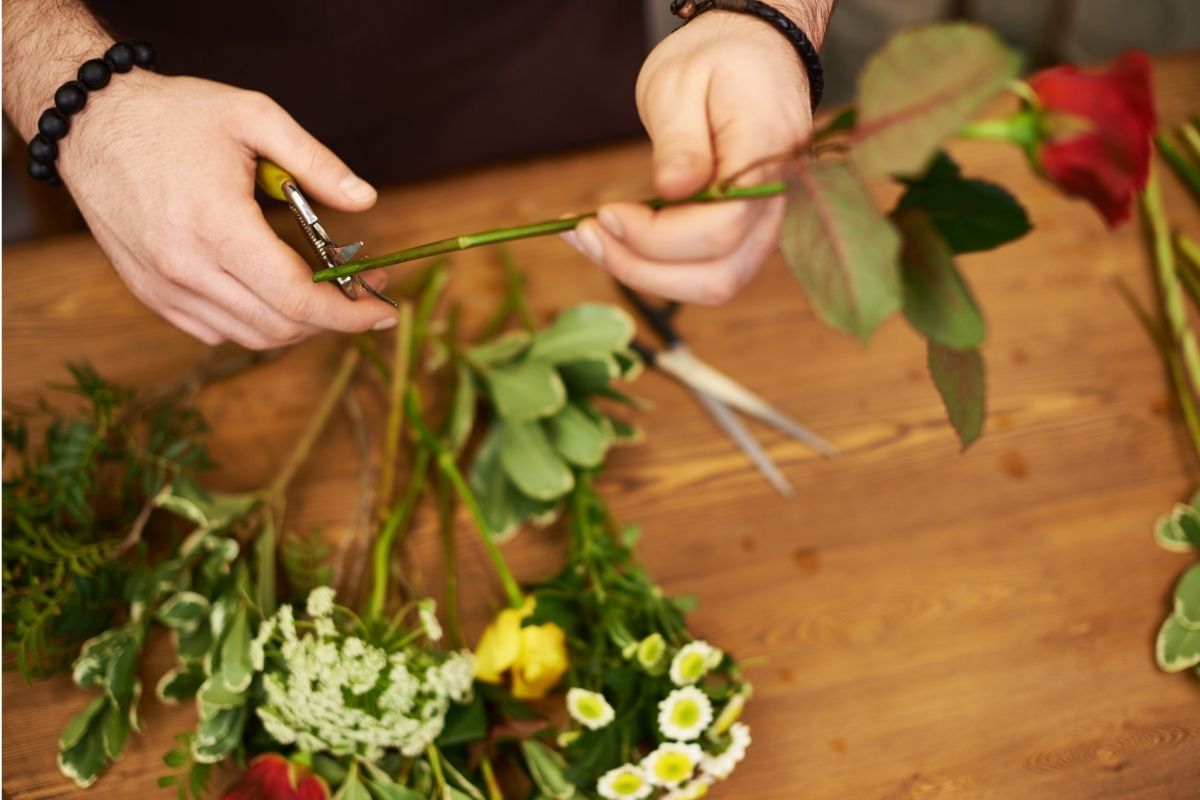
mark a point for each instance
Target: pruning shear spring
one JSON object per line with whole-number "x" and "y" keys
{"x": 279, "y": 185}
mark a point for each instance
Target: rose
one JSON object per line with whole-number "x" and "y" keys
{"x": 273, "y": 777}
{"x": 1095, "y": 132}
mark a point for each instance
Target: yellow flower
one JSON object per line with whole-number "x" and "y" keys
{"x": 534, "y": 655}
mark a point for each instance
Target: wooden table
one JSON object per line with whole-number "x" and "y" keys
{"x": 917, "y": 623}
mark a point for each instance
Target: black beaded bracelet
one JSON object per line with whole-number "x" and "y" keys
{"x": 690, "y": 9}
{"x": 70, "y": 98}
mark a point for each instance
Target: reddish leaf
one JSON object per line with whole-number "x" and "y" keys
{"x": 958, "y": 375}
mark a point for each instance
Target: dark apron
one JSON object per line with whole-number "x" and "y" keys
{"x": 403, "y": 90}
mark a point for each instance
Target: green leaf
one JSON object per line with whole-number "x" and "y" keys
{"x": 1179, "y": 529}
{"x": 213, "y": 697}
{"x": 184, "y": 610}
{"x": 936, "y": 299}
{"x": 179, "y": 684}
{"x": 958, "y": 375}
{"x": 236, "y": 670}
{"x": 547, "y": 768}
{"x": 921, "y": 87}
{"x": 79, "y": 724}
{"x": 219, "y": 736}
{"x": 464, "y": 723}
{"x": 385, "y": 788}
{"x": 352, "y": 788}
{"x": 121, "y": 679}
{"x": 579, "y": 438}
{"x": 210, "y": 511}
{"x": 532, "y": 463}
{"x": 1177, "y": 647}
{"x": 194, "y": 645}
{"x": 971, "y": 215}
{"x": 462, "y": 408}
{"x": 590, "y": 376}
{"x": 1187, "y": 599}
{"x": 584, "y": 331}
{"x": 504, "y": 348}
{"x": 504, "y": 506}
{"x": 525, "y": 390}
{"x": 84, "y": 760}
{"x": 842, "y": 249}
{"x": 115, "y": 730}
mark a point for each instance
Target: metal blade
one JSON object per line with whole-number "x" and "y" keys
{"x": 680, "y": 363}
{"x": 734, "y": 428}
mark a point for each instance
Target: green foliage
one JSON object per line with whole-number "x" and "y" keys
{"x": 970, "y": 214}
{"x": 937, "y": 301}
{"x": 192, "y": 778}
{"x": 1178, "y": 645}
{"x": 74, "y": 506}
{"x": 305, "y": 563}
{"x": 958, "y": 376}
{"x": 543, "y": 386}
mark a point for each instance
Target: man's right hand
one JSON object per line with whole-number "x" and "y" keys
{"x": 163, "y": 170}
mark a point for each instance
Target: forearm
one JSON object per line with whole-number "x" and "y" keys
{"x": 45, "y": 41}
{"x": 811, "y": 15}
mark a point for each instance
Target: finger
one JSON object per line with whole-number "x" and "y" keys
{"x": 676, "y": 118}
{"x": 270, "y": 131}
{"x": 689, "y": 233}
{"x": 192, "y": 326}
{"x": 705, "y": 283}
{"x": 232, "y": 310}
{"x": 276, "y": 274}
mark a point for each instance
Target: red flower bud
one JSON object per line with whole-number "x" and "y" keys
{"x": 273, "y": 777}
{"x": 1105, "y": 158}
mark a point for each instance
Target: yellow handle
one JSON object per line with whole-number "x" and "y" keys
{"x": 271, "y": 177}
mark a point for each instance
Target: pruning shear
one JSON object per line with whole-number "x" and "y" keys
{"x": 719, "y": 394}
{"x": 276, "y": 183}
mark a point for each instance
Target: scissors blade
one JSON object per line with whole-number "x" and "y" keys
{"x": 735, "y": 430}
{"x": 681, "y": 364}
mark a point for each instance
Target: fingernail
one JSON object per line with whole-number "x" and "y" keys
{"x": 611, "y": 223}
{"x": 356, "y": 188}
{"x": 570, "y": 238}
{"x": 589, "y": 244}
{"x": 384, "y": 324}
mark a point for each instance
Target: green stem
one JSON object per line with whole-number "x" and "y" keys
{"x": 397, "y": 521}
{"x": 1186, "y": 171}
{"x": 445, "y": 507}
{"x": 489, "y": 779}
{"x": 1191, "y": 137}
{"x": 439, "y": 777}
{"x": 395, "y": 423}
{"x": 1168, "y": 281}
{"x": 446, "y": 464}
{"x": 467, "y": 241}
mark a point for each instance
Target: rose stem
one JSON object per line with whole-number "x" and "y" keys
{"x": 446, "y": 464}
{"x": 467, "y": 241}
{"x": 1186, "y": 171}
{"x": 1172, "y": 298}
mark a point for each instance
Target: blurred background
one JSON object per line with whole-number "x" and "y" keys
{"x": 1049, "y": 31}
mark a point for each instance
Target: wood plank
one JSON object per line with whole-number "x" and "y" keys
{"x": 917, "y": 623}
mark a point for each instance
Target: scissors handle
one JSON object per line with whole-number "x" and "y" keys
{"x": 271, "y": 177}
{"x": 659, "y": 319}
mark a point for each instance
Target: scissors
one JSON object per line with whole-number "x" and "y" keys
{"x": 719, "y": 394}
{"x": 279, "y": 185}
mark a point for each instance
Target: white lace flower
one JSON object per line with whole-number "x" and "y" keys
{"x": 320, "y": 601}
{"x": 589, "y": 709}
{"x": 690, "y": 791}
{"x": 684, "y": 714}
{"x": 427, "y": 614}
{"x": 672, "y": 763}
{"x": 626, "y": 782}
{"x": 721, "y": 765}
{"x": 693, "y": 661}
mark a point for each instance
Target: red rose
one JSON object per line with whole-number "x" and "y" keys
{"x": 1108, "y": 162}
{"x": 273, "y": 777}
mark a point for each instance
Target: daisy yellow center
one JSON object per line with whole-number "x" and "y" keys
{"x": 686, "y": 713}
{"x": 628, "y": 783}
{"x": 650, "y": 650}
{"x": 589, "y": 708}
{"x": 692, "y": 666}
{"x": 672, "y": 767}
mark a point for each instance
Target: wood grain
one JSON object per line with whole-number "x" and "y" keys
{"x": 917, "y": 623}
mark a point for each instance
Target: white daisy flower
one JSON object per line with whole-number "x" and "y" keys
{"x": 320, "y": 601}
{"x": 626, "y": 782}
{"x": 721, "y": 765}
{"x": 693, "y": 661}
{"x": 684, "y": 714}
{"x": 672, "y": 763}
{"x": 427, "y": 614}
{"x": 589, "y": 709}
{"x": 731, "y": 712}
{"x": 691, "y": 791}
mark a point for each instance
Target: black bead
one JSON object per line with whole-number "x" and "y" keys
{"x": 42, "y": 172}
{"x": 53, "y": 124}
{"x": 95, "y": 73}
{"x": 71, "y": 97}
{"x": 42, "y": 150}
{"x": 120, "y": 56}
{"x": 143, "y": 54}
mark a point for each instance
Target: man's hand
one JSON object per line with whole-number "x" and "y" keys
{"x": 716, "y": 96}
{"x": 163, "y": 171}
